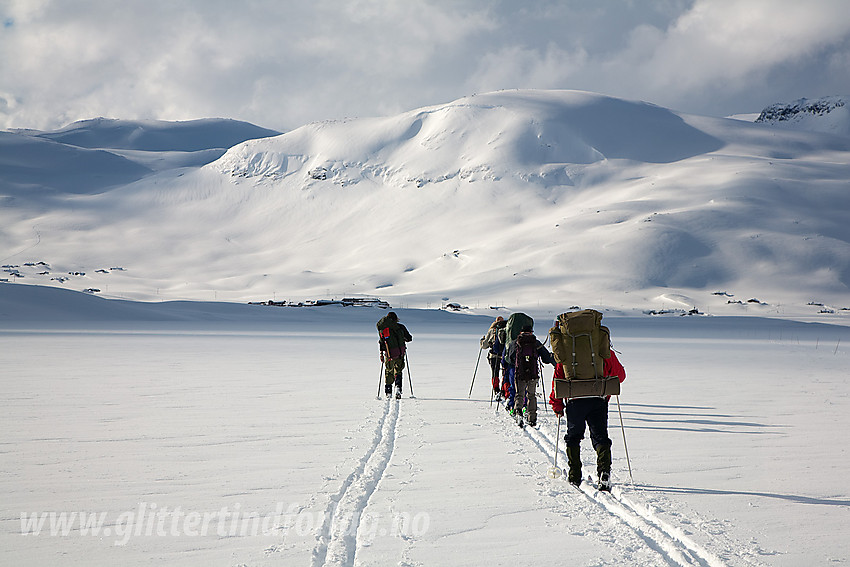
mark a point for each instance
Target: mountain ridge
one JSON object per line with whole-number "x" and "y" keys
{"x": 826, "y": 114}
{"x": 507, "y": 198}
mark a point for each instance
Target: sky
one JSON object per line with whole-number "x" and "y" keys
{"x": 284, "y": 63}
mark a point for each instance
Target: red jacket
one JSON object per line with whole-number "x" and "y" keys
{"x": 612, "y": 367}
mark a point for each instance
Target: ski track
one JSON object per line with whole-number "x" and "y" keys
{"x": 337, "y": 540}
{"x": 668, "y": 542}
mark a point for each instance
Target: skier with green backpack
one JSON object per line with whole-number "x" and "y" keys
{"x": 515, "y": 322}
{"x": 586, "y": 376}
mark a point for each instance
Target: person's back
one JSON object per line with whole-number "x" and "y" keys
{"x": 586, "y": 412}
{"x": 494, "y": 340}
{"x": 392, "y": 338}
{"x": 524, "y": 355}
{"x": 393, "y": 334}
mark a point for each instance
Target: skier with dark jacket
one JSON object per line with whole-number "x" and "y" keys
{"x": 392, "y": 338}
{"x": 592, "y": 412}
{"x": 522, "y": 357}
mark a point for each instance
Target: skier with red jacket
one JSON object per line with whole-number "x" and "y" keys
{"x": 590, "y": 412}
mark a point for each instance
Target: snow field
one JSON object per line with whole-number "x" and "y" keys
{"x": 734, "y": 456}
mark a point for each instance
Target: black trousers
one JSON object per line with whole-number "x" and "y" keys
{"x": 591, "y": 413}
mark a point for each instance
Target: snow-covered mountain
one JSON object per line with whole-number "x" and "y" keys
{"x": 545, "y": 198}
{"x": 828, "y": 114}
{"x": 92, "y": 155}
{"x": 155, "y": 135}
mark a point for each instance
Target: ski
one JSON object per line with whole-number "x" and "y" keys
{"x": 595, "y": 487}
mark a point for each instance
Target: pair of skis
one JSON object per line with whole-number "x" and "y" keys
{"x": 381, "y": 378}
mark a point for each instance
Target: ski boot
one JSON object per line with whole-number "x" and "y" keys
{"x": 604, "y": 482}
{"x": 603, "y": 467}
{"x": 574, "y": 464}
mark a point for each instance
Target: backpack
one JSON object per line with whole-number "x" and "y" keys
{"x": 515, "y": 324}
{"x": 525, "y": 359}
{"x": 392, "y": 335}
{"x": 497, "y": 347}
{"x": 580, "y": 344}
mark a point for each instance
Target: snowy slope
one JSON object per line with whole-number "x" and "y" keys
{"x": 156, "y": 135}
{"x": 93, "y": 155}
{"x": 198, "y": 434}
{"x": 546, "y": 198}
{"x": 29, "y": 165}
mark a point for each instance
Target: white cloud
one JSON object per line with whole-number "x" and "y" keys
{"x": 280, "y": 64}
{"x": 518, "y": 67}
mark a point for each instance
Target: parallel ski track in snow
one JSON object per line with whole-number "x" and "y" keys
{"x": 670, "y": 542}
{"x": 337, "y": 540}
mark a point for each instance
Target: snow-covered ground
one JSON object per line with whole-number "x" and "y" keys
{"x": 197, "y": 434}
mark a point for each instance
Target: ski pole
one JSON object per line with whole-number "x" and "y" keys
{"x": 557, "y": 440}
{"x": 543, "y": 383}
{"x": 409, "y": 380}
{"x": 555, "y": 472}
{"x": 380, "y": 377}
{"x": 625, "y": 446}
{"x": 474, "y": 373}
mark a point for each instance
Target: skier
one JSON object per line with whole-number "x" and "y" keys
{"x": 590, "y": 411}
{"x": 393, "y": 336}
{"x": 513, "y": 326}
{"x": 522, "y": 356}
{"x": 495, "y": 341}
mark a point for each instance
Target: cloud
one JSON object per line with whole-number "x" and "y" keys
{"x": 281, "y": 64}
{"x": 715, "y": 57}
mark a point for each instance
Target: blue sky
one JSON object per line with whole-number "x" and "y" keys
{"x": 280, "y": 63}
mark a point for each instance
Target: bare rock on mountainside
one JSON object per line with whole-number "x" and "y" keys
{"x": 828, "y": 114}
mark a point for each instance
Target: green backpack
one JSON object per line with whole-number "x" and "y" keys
{"x": 515, "y": 324}
{"x": 580, "y": 343}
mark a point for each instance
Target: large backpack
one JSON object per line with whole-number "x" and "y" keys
{"x": 514, "y": 326}
{"x": 580, "y": 343}
{"x": 392, "y": 337}
{"x": 525, "y": 359}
